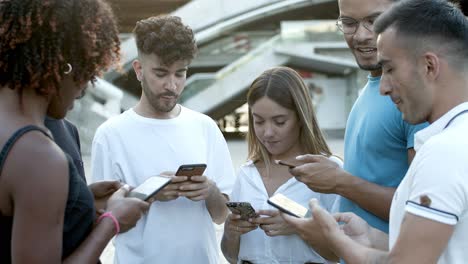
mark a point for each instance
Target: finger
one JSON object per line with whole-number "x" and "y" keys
{"x": 305, "y": 169}
{"x": 245, "y": 224}
{"x": 271, "y": 213}
{"x": 310, "y": 158}
{"x": 322, "y": 217}
{"x": 197, "y": 198}
{"x": 193, "y": 187}
{"x": 244, "y": 230}
{"x": 198, "y": 178}
{"x": 171, "y": 187}
{"x": 144, "y": 206}
{"x": 170, "y": 193}
{"x": 235, "y": 215}
{"x": 343, "y": 217}
{"x": 176, "y": 179}
{"x": 263, "y": 220}
{"x": 273, "y": 232}
{"x": 122, "y": 191}
{"x": 191, "y": 193}
{"x": 265, "y": 227}
{"x": 114, "y": 184}
{"x": 291, "y": 220}
{"x": 111, "y": 187}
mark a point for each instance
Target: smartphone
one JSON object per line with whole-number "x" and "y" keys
{"x": 190, "y": 170}
{"x": 292, "y": 163}
{"x": 245, "y": 209}
{"x": 149, "y": 187}
{"x": 287, "y": 205}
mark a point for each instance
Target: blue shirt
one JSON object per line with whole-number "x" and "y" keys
{"x": 376, "y": 145}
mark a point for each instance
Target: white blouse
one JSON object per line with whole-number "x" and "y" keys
{"x": 256, "y": 246}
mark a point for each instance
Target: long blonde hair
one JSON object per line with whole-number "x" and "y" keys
{"x": 284, "y": 86}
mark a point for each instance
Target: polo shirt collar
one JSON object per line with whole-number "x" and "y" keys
{"x": 437, "y": 126}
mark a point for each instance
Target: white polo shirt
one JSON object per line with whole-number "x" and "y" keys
{"x": 255, "y": 245}
{"x": 440, "y": 172}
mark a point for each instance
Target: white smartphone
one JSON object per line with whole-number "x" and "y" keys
{"x": 149, "y": 187}
{"x": 287, "y": 205}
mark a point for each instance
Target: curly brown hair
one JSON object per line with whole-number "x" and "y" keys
{"x": 167, "y": 37}
{"x": 39, "y": 37}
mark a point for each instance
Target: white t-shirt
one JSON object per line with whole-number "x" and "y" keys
{"x": 440, "y": 172}
{"x": 131, "y": 148}
{"x": 255, "y": 245}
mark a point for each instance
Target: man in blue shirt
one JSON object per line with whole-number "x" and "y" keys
{"x": 378, "y": 143}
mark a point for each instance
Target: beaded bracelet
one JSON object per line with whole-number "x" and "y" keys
{"x": 111, "y": 216}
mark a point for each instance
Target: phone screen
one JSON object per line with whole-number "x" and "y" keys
{"x": 149, "y": 187}
{"x": 287, "y": 205}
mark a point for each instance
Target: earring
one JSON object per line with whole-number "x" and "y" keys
{"x": 69, "y": 69}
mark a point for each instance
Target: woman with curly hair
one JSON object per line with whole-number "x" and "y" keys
{"x": 49, "y": 51}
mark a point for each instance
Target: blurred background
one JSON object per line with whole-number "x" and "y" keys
{"x": 237, "y": 41}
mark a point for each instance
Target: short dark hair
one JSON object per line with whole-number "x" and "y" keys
{"x": 436, "y": 23}
{"x": 39, "y": 38}
{"x": 167, "y": 37}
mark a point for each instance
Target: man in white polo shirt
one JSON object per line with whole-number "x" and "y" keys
{"x": 423, "y": 50}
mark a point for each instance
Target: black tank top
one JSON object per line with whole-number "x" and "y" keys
{"x": 79, "y": 211}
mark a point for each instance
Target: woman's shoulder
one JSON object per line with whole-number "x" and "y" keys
{"x": 37, "y": 161}
{"x": 41, "y": 156}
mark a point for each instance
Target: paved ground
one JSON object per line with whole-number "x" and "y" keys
{"x": 238, "y": 149}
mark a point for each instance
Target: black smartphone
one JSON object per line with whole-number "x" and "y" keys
{"x": 149, "y": 187}
{"x": 286, "y": 205}
{"x": 289, "y": 163}
{"x": 244, "y": 209}
{"x": 190, "y": 170}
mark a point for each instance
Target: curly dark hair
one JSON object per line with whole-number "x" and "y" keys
{"x": 167, "y": 37}
{"x": 39, "y": 37}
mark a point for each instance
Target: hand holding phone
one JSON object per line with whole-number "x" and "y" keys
{"x": 288, "y": 206}
{"x": 244, "y": 209}
{"x": 149, "y": 187}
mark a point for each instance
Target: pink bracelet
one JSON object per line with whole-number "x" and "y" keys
{"x": 111, "y": 216}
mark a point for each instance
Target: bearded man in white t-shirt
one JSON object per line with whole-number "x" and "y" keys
{"x": 157, "y": 136}
{"x": 423, "y": 50}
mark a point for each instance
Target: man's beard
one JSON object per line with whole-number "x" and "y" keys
{"x": 370, "y": 67}
{"x": 156, "y": 102}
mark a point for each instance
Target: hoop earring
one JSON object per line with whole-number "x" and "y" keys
{"x": 69, "y": 69}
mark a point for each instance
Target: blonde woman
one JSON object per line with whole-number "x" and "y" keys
{"x": 282, "y": 125}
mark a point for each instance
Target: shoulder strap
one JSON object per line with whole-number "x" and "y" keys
{"x": 12, "y": 140}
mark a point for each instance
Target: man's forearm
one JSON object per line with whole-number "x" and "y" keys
{"x": 326, "y": 253}
{"x": 355, "y": 253}
{"x": 372, "y": 197}
{"x": 230, "y": 246}
{"x": 216, "y": 205}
